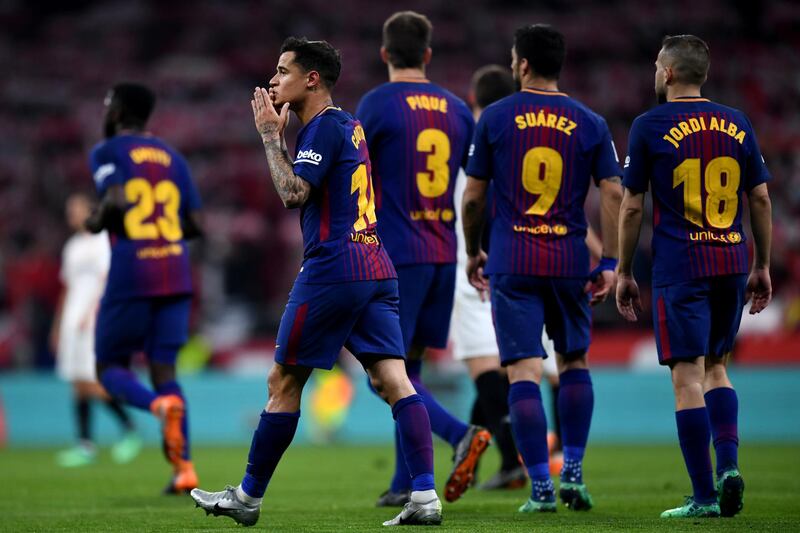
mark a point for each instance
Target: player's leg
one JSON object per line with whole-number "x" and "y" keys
{"x": 85, "y": 451}
{"x": 376, "y": 340}
{"x": 550, "y": 374}
{"x": 169, "y": 331}
{"x": 681, "y": 319}
{"x": 519, "y": 321}
{"x": 130, "y": 445}
{"x": 720, "y": 396}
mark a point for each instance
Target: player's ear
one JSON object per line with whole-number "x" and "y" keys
{"x": 384, "y": 55}
{"x": 427, "y": 55}
{"x": 313, "y": 80}
{"x": 524, "y": 67}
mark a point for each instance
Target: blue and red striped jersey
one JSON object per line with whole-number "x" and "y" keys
{"x": 697, "y": 157}
{"x": 541, "y": 150}
{"x": 151, "y": 258}
{"x": 338, "y": 220}
{"x": 418, "y": 136}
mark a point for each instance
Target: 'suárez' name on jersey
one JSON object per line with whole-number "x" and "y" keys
{"x": 685, "y": 128}
{"x": 545, "y": 120}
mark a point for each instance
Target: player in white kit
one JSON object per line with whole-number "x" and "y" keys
{"x": 84, "y": 266}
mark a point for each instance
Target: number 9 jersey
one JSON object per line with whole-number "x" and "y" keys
{"x": 151, "y": 258}
{"x": 698, "y": 157}
{"x": 418, "y": 134}
{"x": 541, "y": 150}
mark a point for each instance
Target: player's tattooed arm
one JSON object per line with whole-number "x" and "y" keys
{"x": 110, "y": 213}
{"x": 293, "y": 190}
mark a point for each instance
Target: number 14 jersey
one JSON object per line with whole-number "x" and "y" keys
{"x": 418, "y": 134}
{"x": 697, "y": 157}
{"x": 541, "y": 150}
{"x": 150, "y": 258}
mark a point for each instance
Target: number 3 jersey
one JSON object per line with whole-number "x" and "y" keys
{"x": 151, "y": 258}
{"x": 541, "y": 150}
{"x": 418, "y": 135}
{"x": 338, "y": 220}
{"x": 697, "y": 157}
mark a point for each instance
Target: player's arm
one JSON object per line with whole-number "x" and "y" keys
{"x": 759, "y": 284}
{"x": 594, "y": 244}
{"x": 110, "y": 213}
{"x": 55, "y": 328}
{"x": 630, "y": 223}
{"x": 473, "y": 214}
{"x": 293, "y": 190}
{"x": 602, "y": 278}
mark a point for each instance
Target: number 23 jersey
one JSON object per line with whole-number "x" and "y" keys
{"x": 697, "y": 157}
{"x": 151, "y": 258}
{"x": 338, "y": 220}
{"x": 541, "y": 150}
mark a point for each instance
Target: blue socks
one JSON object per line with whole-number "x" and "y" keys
{"x": 123, "y": 384}
{"x": 530, "y": 433}
{"x": 575, "y": 405}
{"x": 694, "y": 434}
{"x": 723, "y": 410}
{"x": 443, "y": 423}
{"x": 401, "y": 482}
{"x": 414, "y": 430}
{"x": 273, "y": 435}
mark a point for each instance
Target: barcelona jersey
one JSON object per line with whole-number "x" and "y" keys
{"x": 418, "y": 136}
{"x": 541, "y": 150}
{"x": 151, "y": 257}
{"x": 697, "y": 157}
{"x": 338, "y": 220}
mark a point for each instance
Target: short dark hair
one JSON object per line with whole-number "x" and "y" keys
{"x": 491, "y": 83}
{"x": 316, "y": 55}
{"x": 690, "y": 58}
{"x": 406, "y": 36}
{"x": 134, "y": 101}
{"x": 544, "y": 48}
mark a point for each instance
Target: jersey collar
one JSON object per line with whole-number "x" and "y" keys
{"x": 690, "y": 99}
{"x": 543, "y": 91}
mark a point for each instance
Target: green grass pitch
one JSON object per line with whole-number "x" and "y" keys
{"x": 333, "y": 488}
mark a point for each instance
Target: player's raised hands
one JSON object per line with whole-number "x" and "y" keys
{"x": 475, "y": 275}
{"x": 628, "y": 302}
{"x": 269, "y": 123}
{"x": 601, "y": 286}
{"x": 759, "y": 290}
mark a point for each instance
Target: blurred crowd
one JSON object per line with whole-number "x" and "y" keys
{"x": 204, "y": 57}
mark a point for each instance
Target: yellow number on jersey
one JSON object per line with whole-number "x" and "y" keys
{"x": 542, "y": 168}
{"x": 722, "y": 200}
{"x": 144, "y": 197}
{"x": 361, "y": 182}
{"x": 436, "y": 144}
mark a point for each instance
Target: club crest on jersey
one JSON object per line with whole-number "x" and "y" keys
{"x": 308, "y": 156}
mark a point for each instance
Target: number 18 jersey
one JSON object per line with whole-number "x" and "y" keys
{"x": 418, "y": 135}
{"x": 150, "y": 258}
{"x": 697, "y": 157}
{"x": 541, "y": 150}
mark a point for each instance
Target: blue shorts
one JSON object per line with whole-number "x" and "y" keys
{"x": 159, "y": 326}
{"x": 319, "y": 319}
{"x": 523, "y": 305}
{"x": 426, "y": 303}
{"x": 698, "y": 317}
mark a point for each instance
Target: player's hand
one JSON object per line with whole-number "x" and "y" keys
{"x": 475, "y": 275}
{"x": 628, "y": 302}
{"x": 601, "y": 286}
{"x": 759, "y": 290}
{"x": 269, "y": 123}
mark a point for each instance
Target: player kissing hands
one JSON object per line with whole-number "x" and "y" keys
{"x": 759, "y": 289}
{"x": 269, "y": 123}
{"x": 475, "y": 275}
{"x": 628, "y": 301}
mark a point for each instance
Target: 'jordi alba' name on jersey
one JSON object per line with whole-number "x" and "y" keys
{"x": 697, "y": 157}
{"x": 541, "y": 150}
{"x": 151, "y": 258}
{"x": 338, "y": 220}
{"x": 418, "y": 136}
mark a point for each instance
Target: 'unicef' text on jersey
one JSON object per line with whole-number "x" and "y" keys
{"x": 338, "y": 219}
{"x": 418, "y": 135}
{"x": 697, "y": 157}
{"x": 541, "y": 150}
{"x": 150, "y": 258}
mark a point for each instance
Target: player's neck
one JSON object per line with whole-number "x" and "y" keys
{"x": 313, "y": 105}
{"x": 407, "y": 74}
{"x": 542, "y": 84}
{"x": 682, "y": 91}
{"x": 128, "y": 130}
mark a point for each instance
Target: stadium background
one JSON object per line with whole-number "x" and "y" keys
{"x": 204, "y": 57}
